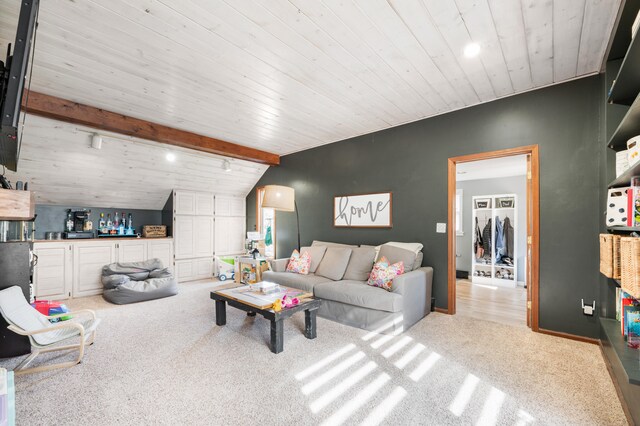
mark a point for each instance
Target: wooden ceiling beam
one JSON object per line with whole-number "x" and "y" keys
{"x": 97, "y": 118}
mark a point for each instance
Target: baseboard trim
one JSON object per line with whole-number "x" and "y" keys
{"x": 616, "y": 385}
{"x": 442, "y": 310}
{"x": 570, "y": 336}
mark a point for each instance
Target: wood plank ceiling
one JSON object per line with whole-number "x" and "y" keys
{"x": 284, "y": 76}
{"x": 61, "y": 166}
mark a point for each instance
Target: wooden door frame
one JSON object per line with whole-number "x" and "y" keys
{"x": 533, "y": 225}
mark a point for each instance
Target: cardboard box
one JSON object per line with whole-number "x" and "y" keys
{"x": 617, "y": 205}
{"x": 633, "y": 150}
{"x": 622, "y": 162}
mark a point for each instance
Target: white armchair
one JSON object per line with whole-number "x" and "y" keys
{"x": 44, "y": 336}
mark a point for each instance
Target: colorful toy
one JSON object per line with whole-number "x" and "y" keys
{"x": 226, "y": 268}
{"x": 49, "y": 308}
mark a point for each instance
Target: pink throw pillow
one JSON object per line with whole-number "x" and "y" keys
{"x": 299, "y": 264}
{"x": 382, "y": 274}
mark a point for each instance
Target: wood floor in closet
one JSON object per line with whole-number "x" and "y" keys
{"x": 491, "y": 303}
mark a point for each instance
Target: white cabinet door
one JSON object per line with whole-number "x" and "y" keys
{"x": 53, "y": 272}
{"x": 161, "y": 249}
{"x": 88, "y": 260}
{"x": 222, "y": 234}
{"x": 183, "y": 234}
{"x": 237, "y": 234}
{"x": 238, "y": 206}
{"x": 132, "y": 251}
{"x": 185, "y": 270}
{"x": 184, "y": 202}
{"x": 204, "y": 267}
{"x": 204, "y": 204}
{"x": 203, "y": 236}
{"x": 223, "y": 206}
{"x": 229, "y": 235}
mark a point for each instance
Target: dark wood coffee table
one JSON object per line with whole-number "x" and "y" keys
{"x": 308, "y": 304}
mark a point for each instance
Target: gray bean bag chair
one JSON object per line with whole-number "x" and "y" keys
{"x": 137, "y": 281}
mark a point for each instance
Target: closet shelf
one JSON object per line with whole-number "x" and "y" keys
{"x": 626, "y": 85}
{"x": 628, "y": 127}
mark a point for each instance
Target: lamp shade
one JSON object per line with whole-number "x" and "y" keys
{"x": 279, "y": 197}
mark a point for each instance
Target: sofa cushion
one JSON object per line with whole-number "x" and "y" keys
{"x": 334, "y": 263}
{"x": 383, "y": 273}
{"x": 418, "y": 262}
{"x": 299, "y": 264}
{"x": 360, "y": 263}
{"x": 328, "y": 244}
{"x": 357, "y": 293}
{"x": 397, "y": 254}
{"x": 316, "y": 253}
{"x": 301, "y": 282}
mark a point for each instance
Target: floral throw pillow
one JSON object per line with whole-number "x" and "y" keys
{"x": 299, "y": 264}
{"x": 382, "y": 274}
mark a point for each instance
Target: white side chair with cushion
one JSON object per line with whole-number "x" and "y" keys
{"x": 23, "y": 319}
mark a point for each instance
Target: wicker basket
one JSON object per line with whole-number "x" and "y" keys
{"x": 610, "y": 255}
{"x": 630, "y": 262}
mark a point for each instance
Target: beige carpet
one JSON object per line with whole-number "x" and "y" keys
{"x": 166, "y": 362}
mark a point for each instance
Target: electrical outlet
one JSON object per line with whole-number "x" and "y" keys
{"x": 441, "y": 228}
{"x": 588, "y": 309}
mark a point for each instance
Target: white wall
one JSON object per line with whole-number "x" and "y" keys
{"x": 509, "y": 185}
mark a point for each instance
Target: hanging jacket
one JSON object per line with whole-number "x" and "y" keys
{"x": 486, "y": 238}
{"x": 508, "y": 237}
{"x": 477, "y": 241}
{"x": 499, "y": 240}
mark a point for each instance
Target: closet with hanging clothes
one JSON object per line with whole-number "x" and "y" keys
{"x": 494, "y": 240}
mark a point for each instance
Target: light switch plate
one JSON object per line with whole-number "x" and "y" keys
{"x": 441, "y": 228}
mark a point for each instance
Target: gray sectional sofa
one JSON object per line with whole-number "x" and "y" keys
{"x": 339, "y": 274}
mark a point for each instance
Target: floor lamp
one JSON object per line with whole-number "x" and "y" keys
{"x": 281, "y": 198}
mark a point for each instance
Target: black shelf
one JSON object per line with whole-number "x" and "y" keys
{"x": 628, "y": 127}
{"x": 629, "y": 358}
{"x": 625, "y": 178}
{"x": 623, "y": 229}
{"x": 626, "y": 86}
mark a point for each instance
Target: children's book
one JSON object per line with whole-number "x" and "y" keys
{"x": 625, "y": 300}
{"x": 632, "y": 326}
{"x": 618, "y": 290}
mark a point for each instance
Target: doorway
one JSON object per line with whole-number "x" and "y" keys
{"x": 495, "y": 290}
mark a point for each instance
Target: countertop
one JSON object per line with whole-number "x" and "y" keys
{"x": 100, "y": 239}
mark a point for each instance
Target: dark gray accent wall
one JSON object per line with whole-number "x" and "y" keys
{"x": 411, "y": 161}
{"x": 53, "y": 218}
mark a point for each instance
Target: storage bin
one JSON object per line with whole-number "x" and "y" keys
{"x": 617, "y": 206}
{"x": 630, "y": 265}
{"x": 610, "y": 255}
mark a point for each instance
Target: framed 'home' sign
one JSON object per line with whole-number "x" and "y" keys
{"x": 362, "y": 211}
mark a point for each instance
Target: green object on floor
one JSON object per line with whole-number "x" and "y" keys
{"x": 268, "y": 239}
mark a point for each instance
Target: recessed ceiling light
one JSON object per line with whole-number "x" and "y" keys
{"x": 171, "y": 157}
{"x": 471, "y": 50}
{"x": 226, "y": 165}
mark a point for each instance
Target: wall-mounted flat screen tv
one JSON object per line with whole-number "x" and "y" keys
{"x": 12, "y": 79}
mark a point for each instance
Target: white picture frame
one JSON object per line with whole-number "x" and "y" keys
{"x": 363, "y": 210}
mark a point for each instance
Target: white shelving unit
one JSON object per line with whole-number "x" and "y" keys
{"x": 486, "y": 270}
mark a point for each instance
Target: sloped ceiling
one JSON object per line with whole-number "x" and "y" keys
{"x": 63, "y": 169}
{"x": 288, "y": 75}
{"x": 278, "y": 75}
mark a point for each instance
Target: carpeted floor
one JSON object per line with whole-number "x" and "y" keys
{"x": 166, "y": 362}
